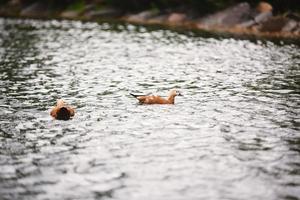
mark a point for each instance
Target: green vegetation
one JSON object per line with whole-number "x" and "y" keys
{"x": 77, "y": 5}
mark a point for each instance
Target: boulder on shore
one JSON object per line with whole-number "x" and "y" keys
{"x": 70, "y": 14}
{"x": 103, "y": 13}
{"x": 228, "y": 17}
{"x": 264, "y": 7}
{"x": 142, "y": 16}
{"x": 241, "y": 15}
{"x": 278, "y": 24}
{"x": 11, "y": 7}
{"x": 160, "y": 19}
{"x": 37, "y": 9}
{"x": 176, "y": 18}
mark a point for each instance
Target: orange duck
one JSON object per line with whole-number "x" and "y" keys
{"x": 152, "y": 99}
{"x": 62, "y": 111}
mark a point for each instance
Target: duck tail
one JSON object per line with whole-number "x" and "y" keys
{"x": 134, "y": 95}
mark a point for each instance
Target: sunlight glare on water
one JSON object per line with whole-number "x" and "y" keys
{"x": 233, "y": 135}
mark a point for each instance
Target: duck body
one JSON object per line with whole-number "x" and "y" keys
{"x": 153, "y": 99}
{"x": 62, "y": 111}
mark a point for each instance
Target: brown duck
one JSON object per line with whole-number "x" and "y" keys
{"x": 152, "y": 99}
{"x": 62, "y": 111}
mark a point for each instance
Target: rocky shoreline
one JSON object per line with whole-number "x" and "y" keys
{"x": 241, "y": 19}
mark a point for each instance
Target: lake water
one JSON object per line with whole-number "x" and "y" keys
{"x": 233, "y": 135}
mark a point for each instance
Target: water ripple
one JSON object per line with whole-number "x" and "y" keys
{"x": 233, "y": 135}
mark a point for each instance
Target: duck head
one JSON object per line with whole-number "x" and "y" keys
{"x": 175, "y": 93}
{"x": 60, "y": 102}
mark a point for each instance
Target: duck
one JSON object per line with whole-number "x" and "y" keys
{"x": 62, "y": 111}
{"x": 153, "y": 99}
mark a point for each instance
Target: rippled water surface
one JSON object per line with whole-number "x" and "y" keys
{"x": 233, "y": 135}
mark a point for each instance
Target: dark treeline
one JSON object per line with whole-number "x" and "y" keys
{"x": 203, "y": 6}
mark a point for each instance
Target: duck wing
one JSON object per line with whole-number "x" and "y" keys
{"x": 139, "y": 95}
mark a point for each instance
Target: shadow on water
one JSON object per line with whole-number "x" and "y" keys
{"x": 285, "y": 85}
{"x": 279, "y": 91}
{"x": 19, "y": 67}
{"x": 117, "y": 26}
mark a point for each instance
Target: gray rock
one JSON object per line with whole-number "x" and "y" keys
{"x": 262, "y": 17}
{"x": 12, "y": 7}
{"x": 293, "y": 16}
{"x": 160, "y": 19}
{"x": 89, "y": 7}
{"x": 176, "y": 18}
{"x": 142, "y": 16}
{"x": 14, "y": 3}
{"x": 36, "y": 9}
{"x": 257, "y": 19}
{"x": 103, "y": 13}
{"x": 229, "y": 17}
{"x": 248, "y": 24}
{"x": 70, "y": 14}
{"x": 297, "y": 30}
{"x": 277, "y": 24}
{"x": 290, "y": 26}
